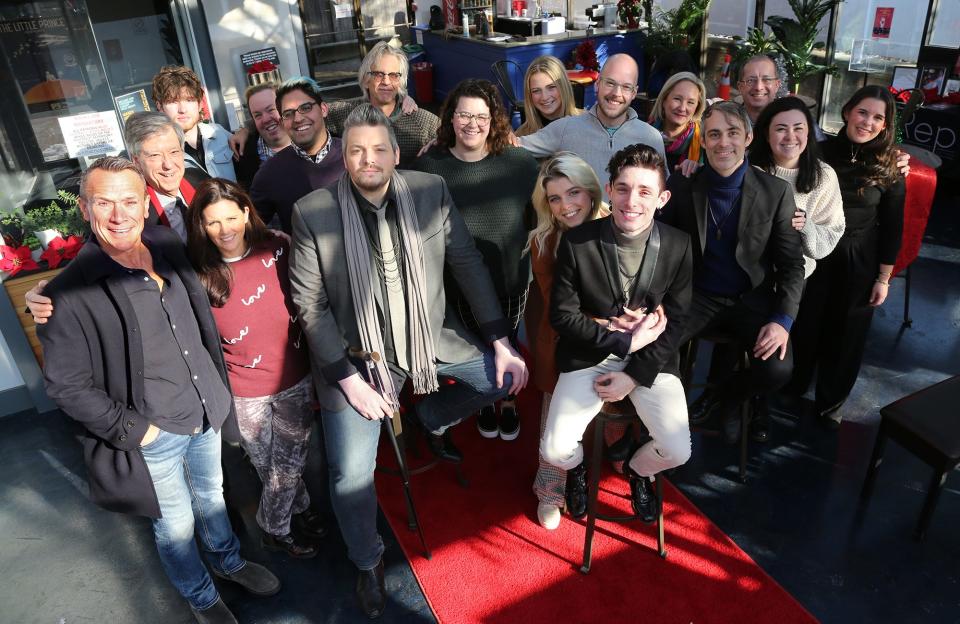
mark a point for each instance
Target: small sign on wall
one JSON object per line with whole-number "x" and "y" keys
{"x": 881, "y": 22}
{"x": 91, "y": 134}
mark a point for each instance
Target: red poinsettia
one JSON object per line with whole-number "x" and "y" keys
{"x": 15, "y": 260}
{"x": 59, "y": 250}
{"x": 261, "y": 66}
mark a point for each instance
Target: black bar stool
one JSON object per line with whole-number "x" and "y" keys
{"x": 927, "y": 424}
{"x": 621, "y": 411}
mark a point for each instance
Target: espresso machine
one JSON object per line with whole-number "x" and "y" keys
{"x": 603, "y": 15}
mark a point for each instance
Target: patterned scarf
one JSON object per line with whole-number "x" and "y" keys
{"x": 423, "y": 359}
{"x": 687, "y": 143}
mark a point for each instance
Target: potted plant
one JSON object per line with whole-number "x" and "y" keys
{"x": 677, "y": 29}
{"x": 629, "y": 12}
{"x": 796, "y": 39}
{"x": 60, "y": 218}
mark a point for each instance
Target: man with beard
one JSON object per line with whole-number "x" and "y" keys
{"x": 366, "y": 272}
{"x": 606, "y": 128}
{"x": 269, "y": 136}
{"x": 313, "y": 160}
{"x": 382, "y": 77}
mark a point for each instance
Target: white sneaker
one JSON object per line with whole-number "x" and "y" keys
{"x": 548, "y": 515}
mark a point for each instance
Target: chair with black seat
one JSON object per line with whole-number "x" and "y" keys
{"x": 621, "y": 412}
{"x": 504, "y": 71}
{"x": 927, "y": 424}
{"x": 688, "y": 362}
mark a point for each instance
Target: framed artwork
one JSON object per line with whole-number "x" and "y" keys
{"x": 932, "y": 78}
{"x": 953, "y": 86}
{"x": 904, "y": 77}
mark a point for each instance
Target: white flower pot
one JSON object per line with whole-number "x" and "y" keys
{"x": 45, "y": 237}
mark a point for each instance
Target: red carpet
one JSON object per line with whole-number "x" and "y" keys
{"x": 492, "y": 562}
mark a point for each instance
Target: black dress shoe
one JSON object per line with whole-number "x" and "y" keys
{"x": 310, "y": 524}
{"x": 642, "y": 497}
{"x": 442, "y": 446}
{"x": 371, "y": 591}
{"x": 703, "y": 407}
{"x": 286, "y": 543}
{"x": 576, "y": 494}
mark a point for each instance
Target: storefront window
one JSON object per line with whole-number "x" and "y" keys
{"x": 67, "y": 62}
{"x": 945, "y": 26}
{"x": 871, "y": 40}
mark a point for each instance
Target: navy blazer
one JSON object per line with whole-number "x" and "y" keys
{"x": 93, "y": 367}
{"x": 586, "y": 286}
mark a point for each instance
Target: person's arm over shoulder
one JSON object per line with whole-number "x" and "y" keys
{"x": 68, "y": 377}
{"x": 566, "y": 316}
{"x": 890, "y": 218}
{"x": 428, "y": 123}
{"x": 337, "y": 113}
{"x": 646, "y": 364}
{"x": 546, "y": 141}
{"x": 327, "y": 345}
{"x": 466, "y": 265}
{"x": 825, "y": 222}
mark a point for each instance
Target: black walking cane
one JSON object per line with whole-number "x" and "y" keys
{"x": 393, "y": 427}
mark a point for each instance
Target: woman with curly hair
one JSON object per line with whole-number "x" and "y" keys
{"x": 547, "y": 94}
{"x": 853, "y": 280}
{"x": 491, "y": 183}
{"x": 676, "y": 114}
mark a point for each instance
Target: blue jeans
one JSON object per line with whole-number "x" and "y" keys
{"x": 188, "y": 481}
{"x": 351, "y": 443}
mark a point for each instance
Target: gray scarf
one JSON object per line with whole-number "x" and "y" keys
{"x": 423, "y": 359}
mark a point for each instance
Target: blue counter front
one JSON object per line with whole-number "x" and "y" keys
{"x": 455, "y": 58}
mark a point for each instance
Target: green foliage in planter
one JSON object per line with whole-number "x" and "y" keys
{"x": 11, "y": 225}
{"x": 62, "y": 215}
{"x": 676, "y": 29}
{"x": 796, "y": 39}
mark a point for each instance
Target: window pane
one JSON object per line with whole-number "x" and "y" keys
{"x": 945, "y": 30}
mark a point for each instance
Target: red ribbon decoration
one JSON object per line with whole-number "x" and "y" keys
{"x": 921, "y": 185}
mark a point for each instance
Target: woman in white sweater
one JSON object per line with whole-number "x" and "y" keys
{"x": 784, "y": 145}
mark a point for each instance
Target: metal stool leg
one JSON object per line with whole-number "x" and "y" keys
{"x": 744, "y": 437}
{"x": 936, "y": 486}
{"x": 593, "y": 491}
{"x": 875, "y": 460}
{"x": 661, "y": 540}
{"x": 907, "y": 321}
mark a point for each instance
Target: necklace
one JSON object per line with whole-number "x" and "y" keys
{"x": 854, "y": 152}
{"x": 718, "y": 224}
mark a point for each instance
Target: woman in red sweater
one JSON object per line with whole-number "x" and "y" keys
{"x": 243, "y": 267}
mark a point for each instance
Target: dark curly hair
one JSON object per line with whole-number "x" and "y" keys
{"x": 810, "y": 172}
{"x": 498, "y": 138}
{"x": 879, "y": 156}
{"x": 215, "y": 274}
{"x": 637, "y": 155}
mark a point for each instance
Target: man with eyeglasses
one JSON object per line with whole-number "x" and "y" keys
{"x": 606, "y": 128}
{"x": 383, "y": 79}
{"x": 313, "y": 160}
{"x": 759, "y": 84}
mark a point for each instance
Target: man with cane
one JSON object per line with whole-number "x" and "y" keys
{"x": 366, "y": 273}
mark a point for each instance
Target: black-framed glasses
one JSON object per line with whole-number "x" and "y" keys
{"x": 379, "y": 75}
{"x": 465, "y": 118}
{"x": 303, "y": 109}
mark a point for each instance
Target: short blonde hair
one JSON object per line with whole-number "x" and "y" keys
{"x": 570, "y": 166}
{"x": 554, "y": 69}
{"x": 656, "y": 115}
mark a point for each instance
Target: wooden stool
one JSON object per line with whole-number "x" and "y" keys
{"x": 687, "y": 362}
{"x": 621, "y": 411}
{"x": 927, "y": 424}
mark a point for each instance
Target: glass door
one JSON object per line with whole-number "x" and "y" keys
{"x": 339, "y": 33}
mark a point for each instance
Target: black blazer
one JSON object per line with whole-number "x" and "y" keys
{"x": 93, "y": 363}
{"x": 586, "y": 285}
{"x": 768, "y": 248}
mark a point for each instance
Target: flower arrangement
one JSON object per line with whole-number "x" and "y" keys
{"x": 584, "y": 56}
{"x": 61, "y": 217}
{"x": 629, "y": 12}
{"x": 61, "y": 214}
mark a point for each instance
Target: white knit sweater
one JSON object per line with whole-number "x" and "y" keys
{"x": 824, "y": 209}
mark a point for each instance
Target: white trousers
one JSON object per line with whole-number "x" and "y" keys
{"x": 662, "y": 408}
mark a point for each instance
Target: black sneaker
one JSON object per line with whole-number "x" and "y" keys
{"x": 487, "y": 422}
{"x": 509, "y": 422}
{"x": 576, "y": 491}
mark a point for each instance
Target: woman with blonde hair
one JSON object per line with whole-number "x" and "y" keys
{"x": 676, "y": 114}
{"x": 547, "y": 94}
{"x": 567, "y": 193}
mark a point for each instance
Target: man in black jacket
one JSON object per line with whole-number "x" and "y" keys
{"x": 747, "y": 258}
{"x": 133, "y": 354}
{"x": 620, "y": 293}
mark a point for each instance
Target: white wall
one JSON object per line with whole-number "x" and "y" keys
{"x": 253, "y": 25}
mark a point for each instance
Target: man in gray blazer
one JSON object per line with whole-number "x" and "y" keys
{"x": 366, "y": 274}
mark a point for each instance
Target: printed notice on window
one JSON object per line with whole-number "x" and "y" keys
{"x": 92, "y": 134}
{"x": 881, "y": 22}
